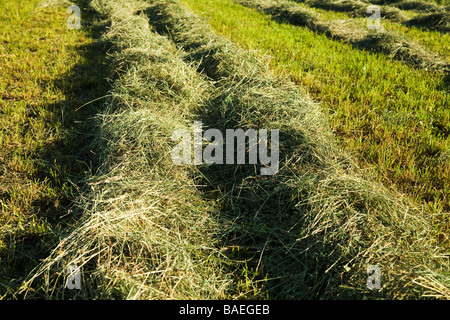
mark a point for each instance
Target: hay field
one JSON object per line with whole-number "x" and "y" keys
{"x": 364, "y": 151}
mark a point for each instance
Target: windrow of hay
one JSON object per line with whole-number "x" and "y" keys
{"x": 53, "y": 3}
{"x": 414, "y": 5}
{"x": 314, "y": 227}
{"x": 145, "y": 232}
{"x": 357, "y": 8}
{"x": 286, "y": 11}
{"x": 387, "y": 42}
{"x": 439, "y": 21}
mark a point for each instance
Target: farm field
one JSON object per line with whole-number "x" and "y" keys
{"x": 91, "y": 119}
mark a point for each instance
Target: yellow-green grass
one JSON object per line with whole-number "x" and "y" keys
{"x": 393, "y": 117}
{"x": 47, "y": 71}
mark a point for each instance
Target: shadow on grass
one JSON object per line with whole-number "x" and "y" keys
{"x": 63, "y": 163}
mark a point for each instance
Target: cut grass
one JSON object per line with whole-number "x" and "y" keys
{"x": 356, "y": 8}
{"x": 431, "y": 16}
{"x": 47, "y": 71}
{"x": 427, "y": 5}
{"x": 326, "y": 216}
{"x": 439, "y": 21}
{"x": 155, "y": 230}
{"x": 392, "y": 116}
{"x": 433, "y": 40}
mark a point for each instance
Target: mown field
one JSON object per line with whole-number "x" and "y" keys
{"x": 86, "y": 175}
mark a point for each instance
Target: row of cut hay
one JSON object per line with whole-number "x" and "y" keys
{"x": 314, "y": 227}
{"x": 357, "y": 8}
{"x": 414, "y": 5}
{"x": 145, "y": 232}
{"x": 431, "y": 16}
{"x": 390, "y": 43}
{"x": 439, "y": 21}
{"x": 286, "y": 11}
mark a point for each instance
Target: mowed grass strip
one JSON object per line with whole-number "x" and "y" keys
{"x": 47, "y": 72}
{"x": 391, "y": 116}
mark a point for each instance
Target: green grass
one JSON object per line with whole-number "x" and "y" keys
{"x": 393, "y": 117}
{"x": 47, "y": 72}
